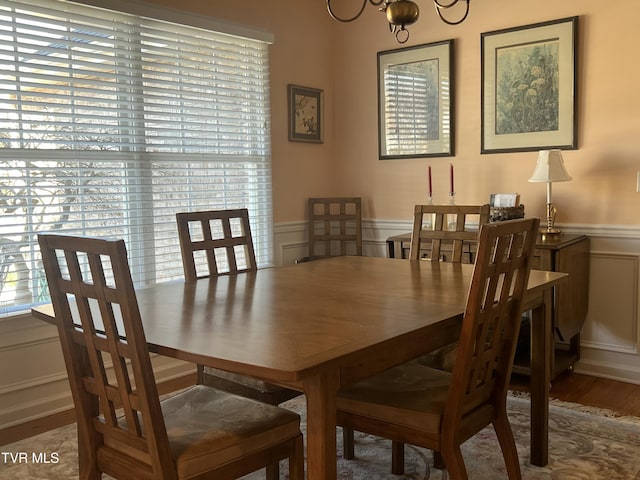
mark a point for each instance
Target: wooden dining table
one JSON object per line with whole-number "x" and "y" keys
{"x": 319, "y": 325}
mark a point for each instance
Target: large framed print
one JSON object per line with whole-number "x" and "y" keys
{"x": 415, "y": 101}
{"x": 529, "y": 97}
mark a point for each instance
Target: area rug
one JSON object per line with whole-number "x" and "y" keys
{"x": 582, "y": 446}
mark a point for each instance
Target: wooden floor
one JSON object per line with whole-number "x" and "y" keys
{"x": 622, "y": 398}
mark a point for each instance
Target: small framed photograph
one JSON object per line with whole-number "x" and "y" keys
{"x": 415, "y": 101}
{"x": 305, "y": 114}
{"x": 529, "y": 97}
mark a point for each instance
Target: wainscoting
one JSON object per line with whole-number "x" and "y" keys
{"x": 33, "y": 380}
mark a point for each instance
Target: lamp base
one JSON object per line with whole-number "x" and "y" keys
{"x": 550, "y": 232}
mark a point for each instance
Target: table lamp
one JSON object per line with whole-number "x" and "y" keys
{"x": 549, "y": 169}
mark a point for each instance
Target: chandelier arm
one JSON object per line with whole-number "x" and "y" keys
{"x": 357, "y": 15}
{"x": 440, "y": 6}
{"x": 402, "y": 35}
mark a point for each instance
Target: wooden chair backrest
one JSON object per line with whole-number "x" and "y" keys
{"x": 223, "y": 237}
{"x": 440, "y": 231}
{"x": 335, "y": 227}
{"x": 491, "y": 323}
{"x": 99, "y": 325}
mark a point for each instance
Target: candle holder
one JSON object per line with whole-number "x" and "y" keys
{"x": 452, "y": 219}
{"x": 428, "y": 218}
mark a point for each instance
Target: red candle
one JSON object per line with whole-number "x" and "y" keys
{"x": 430, "y": 184}
{"x": 452, "y": 190}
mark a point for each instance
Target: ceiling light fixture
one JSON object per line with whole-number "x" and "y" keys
{"x": 401, "y": 13}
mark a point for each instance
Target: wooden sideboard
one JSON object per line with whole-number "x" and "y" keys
{"x": 567, "y": 254}
{"x": 564, "y": 253}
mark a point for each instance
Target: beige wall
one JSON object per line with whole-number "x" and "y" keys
{"x": 604, "y": 167}
{"x": 312, "y": 50}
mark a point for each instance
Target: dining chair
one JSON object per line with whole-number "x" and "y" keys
{"x": 335, "y": 227}
{"x": 451, "y": 232}
{"x": 215, "y": 242}
{"x": 427, "y": 241}
{"x": 440, "y": 233}
{"x": 219, "y": 242}
{"x": 124, "y": 430}
{"x": 439, "y": 410}
{"x": 449, "y": 226}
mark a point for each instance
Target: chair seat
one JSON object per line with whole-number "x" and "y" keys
{"x": 208, "y": 427}
{"x": 442, "y": 359}
{"x": 412, "y": 395}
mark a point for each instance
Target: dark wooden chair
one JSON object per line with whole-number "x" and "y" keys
{"x": 221, "y": 237}
{"x": 439, "y": 410}
{"x": 433, "y": 239}
{"x": 219, "y": 242}
{"x": 429, "y": 242}
{"x": 124, "y": 430}
{"x": 441, "y": 241}
{"x": 335, "y": 227}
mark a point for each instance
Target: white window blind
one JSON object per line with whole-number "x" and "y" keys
{"x": 411, "y": 107}
{"x": 111, "y": 123}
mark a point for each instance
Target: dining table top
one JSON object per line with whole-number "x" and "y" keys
{"x": 285, "y": 323}
{"x": 314, "y": 326}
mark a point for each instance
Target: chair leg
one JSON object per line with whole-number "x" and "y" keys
{"x": 199, "y": 374}
{"x": 508, "y": 445}
{"x": 273, "y": 471}
{"x": 438, "y": 461}
{"x": 347, "y": 443}
{"x": 452, "y": 456}
{"x": 397, "y": 458}
{"x": 87, "y": 448}
{"x": 296, "y": 461}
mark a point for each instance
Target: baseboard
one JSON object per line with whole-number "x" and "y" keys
{"x": 35, "y": 427}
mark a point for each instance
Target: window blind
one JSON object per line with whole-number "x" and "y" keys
{"x": 110, "y": 123}
{"x": 411, "y": 107}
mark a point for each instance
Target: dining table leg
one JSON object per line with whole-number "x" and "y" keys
{"x": 541, "y": 365}
{"x": 320, "y": 391}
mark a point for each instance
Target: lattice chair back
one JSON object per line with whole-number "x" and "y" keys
{"x": 492, "y": 318}
{"x": 335, "y": 227}
{"x": 215, "y": 242}
{"x": 441, "y": 232}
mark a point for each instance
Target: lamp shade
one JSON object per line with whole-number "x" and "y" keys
{"x": 550, "y": 167}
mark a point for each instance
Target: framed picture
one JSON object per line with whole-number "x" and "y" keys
{"x": 305, "y": 114}
{"x": 415, "y": 101}
{"x": 529, "y": 98}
